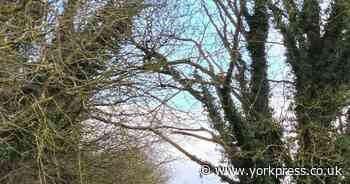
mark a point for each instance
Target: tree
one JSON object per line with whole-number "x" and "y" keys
{"x": 318, "y": 54}
{"x": 234, "y": 87}
{"x": 57, "y": 61}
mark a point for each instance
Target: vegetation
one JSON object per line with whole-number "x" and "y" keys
{"x": 54, "y": 64}
{"x": 86, "y": 86}
{"x": 230, "y": 79}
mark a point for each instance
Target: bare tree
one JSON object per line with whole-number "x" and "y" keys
{"x": 230, "y": 78}
{"x": 59, "y": 60}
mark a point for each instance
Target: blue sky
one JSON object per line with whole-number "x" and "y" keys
{"x": 184, "y": 171}
{"x": 187, "y": 172}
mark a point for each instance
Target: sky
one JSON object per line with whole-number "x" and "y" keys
{"x": 184, "y": 171}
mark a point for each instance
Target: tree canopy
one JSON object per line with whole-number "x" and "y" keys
{"x": 86, "y": 86}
